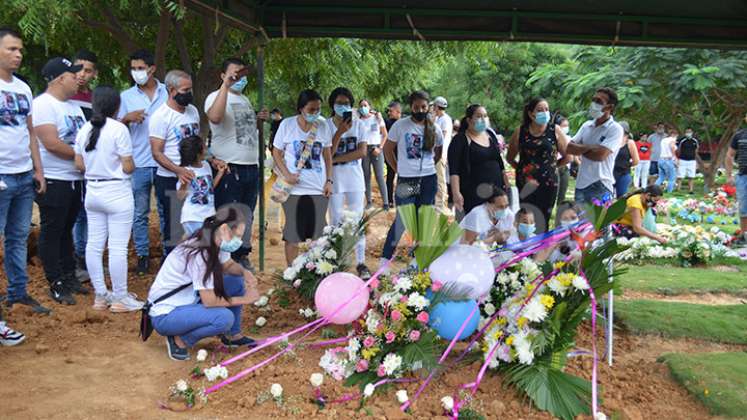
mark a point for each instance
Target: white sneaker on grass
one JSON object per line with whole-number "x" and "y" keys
{"x": 128, "y": 303}
{"x": 102, "y": 302}
{"x": 10, "y": 337}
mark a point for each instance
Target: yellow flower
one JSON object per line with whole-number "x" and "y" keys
{"x": 497, "y": 334}
{"x": 369, "y": 353}
{"x": 547, "y": 300}
{"x": 510, "y": 340}
{"x": 422, "y": 281}
{"x": 501, "y": 321}
{"x": 522, "y": 322}
{"x": 565, "y": 279}
{"x": 558, "y": 265}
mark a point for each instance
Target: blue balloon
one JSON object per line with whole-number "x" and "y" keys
{"x": 710, "y": 219}
{"x": 447, "y": 318}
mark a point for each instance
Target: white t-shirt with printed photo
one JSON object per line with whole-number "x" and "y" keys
{"x": 348, "y": 176}
{"x": 68, "y": 118}
{"x": 291, "y": 140}
{"x": 235, "y": 139}
{"x": 412, "y": 160}
{"x": 173, "y": 274}
{"x": 105, "y": 161}
{"x": 15, "y": 108}
{"x": 200, "y": 201}
{"x": 372, "y": 129}
{"x": 172, "y": 126}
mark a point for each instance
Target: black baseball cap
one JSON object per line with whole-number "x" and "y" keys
{"x": 57, "y": 66}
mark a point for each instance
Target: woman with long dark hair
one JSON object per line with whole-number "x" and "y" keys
{"x": 103, "y": 151}
{"x": 475, "y": 162}
{"x": 537, "y": 142}
{"x": 212, "y": 288}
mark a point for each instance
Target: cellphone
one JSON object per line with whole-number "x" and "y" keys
{"x": 347, "y": 116}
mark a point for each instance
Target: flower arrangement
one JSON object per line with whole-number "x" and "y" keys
{"x": 716, "y": 208}
{"x": 691, "y": 245}
{"x": 507, "y": 283}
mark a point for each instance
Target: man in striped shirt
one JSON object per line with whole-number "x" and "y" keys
{"x": 738, "y": 149}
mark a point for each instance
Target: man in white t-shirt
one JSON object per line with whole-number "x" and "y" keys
{"x": 445, "y": 123}
{"x": 234, "y": 145}
{"x": 173, "y": 121}
{"x": 668, "y": 161}
{"x": 597, "y": 142}
{"x": 374, "y": 132}
{"x": 56, "y": 124}
{"x": 20, "y": 168}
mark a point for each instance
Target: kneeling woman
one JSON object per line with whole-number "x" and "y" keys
{"x": 636, "y": 206}
{"x": 208, "y": 302}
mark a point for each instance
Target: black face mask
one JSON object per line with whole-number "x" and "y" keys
{"x": 419, "y": 116}
{"x": 183, "y": 99}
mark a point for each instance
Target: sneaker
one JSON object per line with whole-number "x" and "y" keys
{"x": 129, "y": 303}
{"x": 81, "y": 269}
{"x": 175, "y": 352}
{"x": 61, "y": 294}
{"x": 102, "y": 302}
{"x": 9, "y": 337}
{"x": 72, "y": 283}
{"x": 363, "y": 272}
{"x": 28, "y": 300}
{"x": 143, "y": 263}
{"x": 241, "y": 342}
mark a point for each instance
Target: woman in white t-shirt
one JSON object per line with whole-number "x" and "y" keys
{"x": 347, "y": 173}
{"x": 198, "y": 194}
{"x": 374, "y": 132}
{"x": 302, "y": 152}
{"x": 412, "y": 150}
{"x": 103, "y": 150}
{"x": 210, "y": 288}
{"x": 491, "y": 222}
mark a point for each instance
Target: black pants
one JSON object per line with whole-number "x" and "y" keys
{"x": 169, "y": 211}
{"x": 540, "y": 199}
{"x": 240, "y": 188}
{"x": 390, "y": 175}
{"x": 563, "y": 177}
{"x": 58, "y": 209}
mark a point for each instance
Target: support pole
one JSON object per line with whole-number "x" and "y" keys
{"x": 261, "y": 138}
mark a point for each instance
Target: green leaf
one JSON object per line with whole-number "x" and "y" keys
{"x": 424, "y": 350}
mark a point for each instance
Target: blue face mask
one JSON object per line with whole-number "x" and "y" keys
{"x": 239, "y": 85}
{"x": 481, "y": 125}
{"x": 500, "y": 214}
{"x": 542, "y": 118}
{"x": 566, "y": 223}
{"x": 526, "y": 230}
{"x": 364, "y": 111}
{"x": 231, "y": 246}
{"x": 342, "y": 109}
{"x": 311, "y": 118}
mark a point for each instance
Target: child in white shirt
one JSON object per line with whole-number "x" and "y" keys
{"x": 198, "y": 194}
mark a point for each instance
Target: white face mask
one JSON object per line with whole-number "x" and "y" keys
{"x": 139, "y": 76}
{"x": 595, "y": 110}
{"x": 566, "y": 130}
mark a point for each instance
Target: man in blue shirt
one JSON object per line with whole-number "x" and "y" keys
{"x": 138, "y": 103}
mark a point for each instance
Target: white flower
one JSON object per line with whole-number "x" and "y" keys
{"x": 324, "y": 268}
{"x": 535, "y": 311}
{"x": 417, "y": 301}
{"x": 392, "y": 362}
{"x": 448, "y": 403}
{"x": 306, "y": 313}
{"x": 402, "y": 396}
{"x": 330, "y": 255}
{"x": 489, "y": 309}
{"x": 261, "y": 321}
{"x": 523, "y": 349}
{"x": 276, "y": 390}
{"x": 316, "y": 379}
{"x": 297, "y": 283}
{"x": 600, "y": 416}
{"x": 262, "y": 301}
{"x": 289, "y": 273}
{"x": 555, "y": 285}
{"x": 215, "y": 372}
{"x": 403, "y": 284}
{"x": 368, "y": 390}
{"x": 372, "y": 321}
{"x": 353, "y": 347}
{"x": 202, "y": 355}
{"x": 181, "y": 385}
{"x": 327, "y": 230}
{"x": 337, "y": 231}
{"x": 580, "y": 283}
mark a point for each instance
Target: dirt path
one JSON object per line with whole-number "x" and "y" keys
{"x": 702, "y": 299}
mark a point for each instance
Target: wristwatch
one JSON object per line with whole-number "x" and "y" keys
{"x": 330, "y": 182}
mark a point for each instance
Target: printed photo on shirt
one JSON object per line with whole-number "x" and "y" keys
{"x": 314, "y": 162}
{"x": 73, "y": 123}
{"x": 14, "y": 108}
{"x": 347, "y": 145}
{"x": 202, "y": 189}
{"x": 186, "y": 130}
{"x": 245, "y": 123}
{"x": 414, "y": 145}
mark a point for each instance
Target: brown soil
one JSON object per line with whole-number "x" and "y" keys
{"x": 80, "y": 364}
{"x": 703, "y": 299}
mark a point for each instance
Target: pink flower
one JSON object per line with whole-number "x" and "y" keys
{"x": 395, "y": 279}
{"x": 390, "y": 336}
{"x": 396, "y": 315}
{"x": 403, "y": 299}
{"x": 423, "y": 317}
{"x": 310, "y": 266}
{"x": 361, "y": 366}
{"x": 436, "y": 286}
{"x": 414, "y": 335}
{"x": 374, "y": 284}
{"x": 381, "y": 371}
{"x": 369, "y": 342}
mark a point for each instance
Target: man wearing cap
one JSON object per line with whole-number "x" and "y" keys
{"x": 444, "y": 122}
{"x": 56, "y": 123}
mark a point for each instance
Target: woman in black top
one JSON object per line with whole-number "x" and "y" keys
{"x": 475, "y": 163}
{"x": 626, "y": 158}
{"x": 537, "y": 143}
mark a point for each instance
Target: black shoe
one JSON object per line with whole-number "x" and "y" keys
{"x": 61, "y": 294}
{"x": 363, "y": 272}
{"x": 73, "y": 284}
{"x": 29, "y": 301}
{"x": 175, "y": 352}
{"x": 243, "y": 341}
{"x": 143, "y": 264}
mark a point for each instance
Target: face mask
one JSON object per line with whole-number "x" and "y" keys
{"x": 566, "y": 130}
{"x": 239, "y": 85}
{"x": 183, "y": 99}
{"x": 480, "y": 125}
{"x": 660, "y": 131}
{"x": 500, "y": 214}
{"x": 526, "y": 230}
{"x": 566, "y": 223}
{"x": 311, "y": 118}
{"x": 232, "y": 245}
{"x": 595, "y": 110}
{"x": 688, "y": 135}
{"x": 363, "y": 110}
{"x": 139, "y": 76}
{"x": 542, "y": 118}
{"x": 340, "y": 110}
{"x": 419, "y": 116}
{"x": 650, "y": 203}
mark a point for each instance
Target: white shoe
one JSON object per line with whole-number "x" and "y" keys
{"x": 102, "y": 302}
{"x": 129, "y": 303}
{"x": 10, "y": 337}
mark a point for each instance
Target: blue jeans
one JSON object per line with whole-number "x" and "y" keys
{"x": 80, "y": 229}
{"x": 240, "y": 187}
{"x": 426, "y": 197}
{"x": 622, "y": 183}
{"x": 191, "y": 227}
{"x": 16, "y": 202}
{"x": 194, "y": 322}
{"x": 169, "y": 211}
{"x": 667, "y": 172}
{"x": 741, "y": 184}
{"x": 142, "y": 185}
{"x": 597, "y": 190}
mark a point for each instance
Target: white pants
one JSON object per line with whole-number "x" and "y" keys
{"x": 640, "y": 175}
{"x": 110, "y": 207}
{"x": 355, "y": 201}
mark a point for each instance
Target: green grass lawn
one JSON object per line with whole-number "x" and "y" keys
{"x": 671, "y": 280}
{"x": 722, "y": 323}
{"x": 719, "y": 380}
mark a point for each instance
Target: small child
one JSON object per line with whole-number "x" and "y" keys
{"x": 568, "y": 215}
{"x": 523, "y": 226}
{"x": 198, "y": 196}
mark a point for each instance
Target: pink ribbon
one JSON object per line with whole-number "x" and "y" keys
{"x": 595, "y": 362}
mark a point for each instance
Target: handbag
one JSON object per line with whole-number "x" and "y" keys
{"x": 281, "y": 189}
{"x": 146, "y": 326}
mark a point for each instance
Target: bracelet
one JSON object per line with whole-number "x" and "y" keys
{"x": 331, "y": 182}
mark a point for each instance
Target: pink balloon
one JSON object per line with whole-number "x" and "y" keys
{"x": 338, "y": 289}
